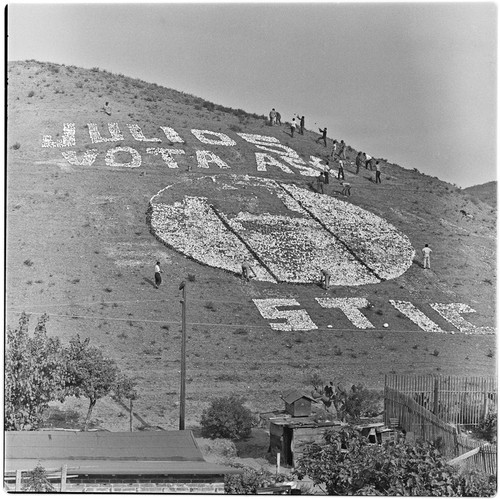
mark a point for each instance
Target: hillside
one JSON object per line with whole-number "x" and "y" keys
{"x": 484, "y": 192}
{"x": 83, "y": 191}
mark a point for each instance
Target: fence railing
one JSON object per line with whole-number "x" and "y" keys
{"x": 461, "y": 400}
{"x": 423, "y": 424}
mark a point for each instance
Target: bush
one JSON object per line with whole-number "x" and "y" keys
{"x": 250, "y": 480}
{"x": 227, "y": 418}
{"x": 487, "y": 429}
{"x": 347, "y": 464}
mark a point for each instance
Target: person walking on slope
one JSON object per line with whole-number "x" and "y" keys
{"x": 426, "y": 251}
{"x": 323, "y": 136}
{"x": 158, "y": 273}
{"x": 293, "y": 126}
{"x": 377, "y": 173}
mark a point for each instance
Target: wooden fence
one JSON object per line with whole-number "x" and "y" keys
{"x": 459, "y": 400}
{"x": 421, "y": 423}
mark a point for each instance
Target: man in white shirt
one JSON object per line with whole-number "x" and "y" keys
{"x": 426, "y": 251}
{"x": 158, "y": 273}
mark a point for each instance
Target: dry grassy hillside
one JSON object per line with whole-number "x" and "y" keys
{"x": 79, "y": 248}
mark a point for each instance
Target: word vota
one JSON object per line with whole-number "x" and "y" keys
{"x": 204, "y": 158}
{"x": 352, "y": 308}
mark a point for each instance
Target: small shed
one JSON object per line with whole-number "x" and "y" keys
{"x": 158, "y": 462}
{"x": 297, "y": 404}
{"x": 290, "y": 436}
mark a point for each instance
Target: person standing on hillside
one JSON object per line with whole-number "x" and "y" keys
{"x": 341, "y": 170}
{"x": 302, "y": 125}
{"x": 368, "y": 161}
{"x": 278, "y": 118}
{"x": 323, "y": 135}
{"x": 334, "y": 149}
{"x": 377, "y": 173}
{"x": 426, "y": 252}
{"x": 327, "y": 173}
{"x": 342, "y": 150}
{"x": 293, "y": 126}
{"x": 359, "y": 162}
{"x": 245, "y": 270}
{"x": 325, "y": 278}
{"x": 107, "y": 109}
{"x": 272, "y": 116}
{"x": 158, "y": 273}
{"x": 321, "y": 182}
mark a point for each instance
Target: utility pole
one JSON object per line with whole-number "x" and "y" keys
{"x": 182, "y": 414}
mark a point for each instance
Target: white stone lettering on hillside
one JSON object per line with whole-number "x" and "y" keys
{"x": 137, "y": 133}
{"x": 96, "y": 137}
{"x": 136, "y": 157}
{"x": 87, "y": 159}
{"x": 264, "y": 160}
{"x": 67, "y": 140}
{"x": 222, "y": 138}
{"x": 166, "y": 154}
{"x": 315, "y": 162}
{"x": 416, "y": 316}
{"x": 452, "y": 313}
{"x": 300, "y": 164}
{"x": 206, "y": 157}
{"x": 351, "y": 308}
{"x": 172, "y": 135}
{"x": 296, "y": 320}
{"x": 270, "y": 144}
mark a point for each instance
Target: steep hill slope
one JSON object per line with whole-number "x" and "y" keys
{"x": 484, "y": 192}
{"x": 80, "y": 247}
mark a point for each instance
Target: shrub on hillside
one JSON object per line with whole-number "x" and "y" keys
{"x": 250, "y": 480}
{"x": 227, "y": 417}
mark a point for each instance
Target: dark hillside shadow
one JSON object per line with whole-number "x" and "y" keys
{"x": 418, "y": 264}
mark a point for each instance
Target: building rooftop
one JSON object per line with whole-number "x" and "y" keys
{"x": 103, "y": 453}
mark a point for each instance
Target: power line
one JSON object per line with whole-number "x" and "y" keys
{"x": 251, "y": 326}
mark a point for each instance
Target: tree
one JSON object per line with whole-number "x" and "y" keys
{"x": 227, "y": 417}
{"x": 125, "y": 388}
{"x": 347, "y": 464}
{"x": 34, "y": 374}
{"x": 89, "y": 373}
{"x": 37, "y": 481}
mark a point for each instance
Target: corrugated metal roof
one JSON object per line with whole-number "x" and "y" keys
{"x": 107, "y": 452}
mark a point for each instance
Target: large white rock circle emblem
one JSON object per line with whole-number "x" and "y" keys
{"x": 288, "y": 233}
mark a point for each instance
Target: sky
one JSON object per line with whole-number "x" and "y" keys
{"x": 413, "y": 83}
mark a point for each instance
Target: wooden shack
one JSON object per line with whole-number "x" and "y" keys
{"x": 290, "y": 436}
{"x": 297, "y": 404}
